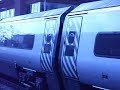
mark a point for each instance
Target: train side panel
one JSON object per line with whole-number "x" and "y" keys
{"x": 29, "y": 58}
{"x": 98, "y": 61}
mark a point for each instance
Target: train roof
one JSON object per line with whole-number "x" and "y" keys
{"x": 37, "y": 15}
{"x": 97, "y": 5}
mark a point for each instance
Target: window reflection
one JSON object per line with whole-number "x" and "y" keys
{"x": 19, "y": 41}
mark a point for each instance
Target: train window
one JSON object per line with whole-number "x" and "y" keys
{"x": 107, "y": 45}
{"x": 19, "y": 41}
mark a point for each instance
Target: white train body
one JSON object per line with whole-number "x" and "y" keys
{"x": 90, "y": 43}
{"x": 38, "y": 26}
{"x": 94, "y": 66}
{"x": 91, "y": 53}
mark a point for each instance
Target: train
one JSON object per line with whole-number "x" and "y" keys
{"x": 71, "y": 48}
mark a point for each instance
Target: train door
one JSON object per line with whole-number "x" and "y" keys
{"x": 69, "y": 51}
